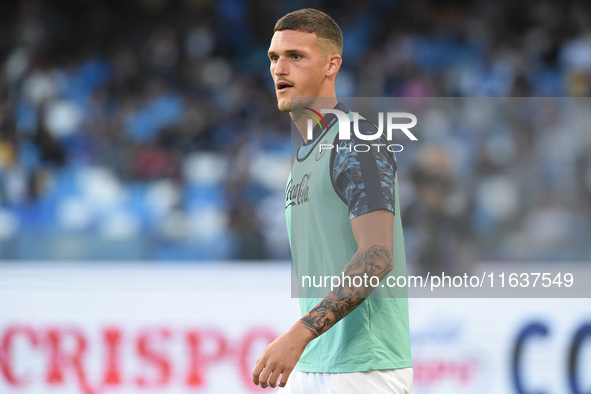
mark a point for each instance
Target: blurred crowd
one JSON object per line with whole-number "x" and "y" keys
{"x": 148, "y": 128}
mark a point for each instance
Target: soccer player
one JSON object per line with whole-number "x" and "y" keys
{"x": 342, "y": 210}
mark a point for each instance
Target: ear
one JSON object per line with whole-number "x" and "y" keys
{"x": 333, "y": 64}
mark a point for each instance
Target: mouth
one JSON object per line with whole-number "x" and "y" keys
{"x": 283, "y": 86}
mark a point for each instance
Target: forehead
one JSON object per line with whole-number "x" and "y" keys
{"x": 289, "y": 40}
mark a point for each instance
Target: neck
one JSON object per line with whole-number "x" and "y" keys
{"x": 301, "y": 119}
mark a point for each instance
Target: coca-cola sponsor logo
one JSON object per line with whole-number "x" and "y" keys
{"x": 297, "y": 194}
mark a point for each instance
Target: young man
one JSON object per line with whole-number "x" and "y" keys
{"x": 342, "y": 211}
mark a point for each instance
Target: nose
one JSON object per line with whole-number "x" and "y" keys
{"x": 281, "y": 67}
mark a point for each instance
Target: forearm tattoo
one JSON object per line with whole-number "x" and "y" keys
{"x": 375, "y": 261}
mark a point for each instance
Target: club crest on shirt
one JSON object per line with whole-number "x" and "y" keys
{"x": 296, "y": 194}
{"x": 320, "y": 152}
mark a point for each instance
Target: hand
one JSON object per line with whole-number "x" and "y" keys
{"x": 281, "y": 356}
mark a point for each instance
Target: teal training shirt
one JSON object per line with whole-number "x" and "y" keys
{"x": 376, "y": 334}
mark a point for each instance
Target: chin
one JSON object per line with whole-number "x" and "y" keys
{"x": 284, "y": 105}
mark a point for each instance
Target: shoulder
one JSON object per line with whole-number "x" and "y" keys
{"x": 356, "y": 147}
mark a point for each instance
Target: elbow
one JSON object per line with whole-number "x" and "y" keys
{"x": 378, "y": 259}
{"x": 388, "y": 269}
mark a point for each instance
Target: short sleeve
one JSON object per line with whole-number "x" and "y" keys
{"x": 364, "y": 180}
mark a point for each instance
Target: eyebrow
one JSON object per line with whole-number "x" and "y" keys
{"x": 289, "y": 51}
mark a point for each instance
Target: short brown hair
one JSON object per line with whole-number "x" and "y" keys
{"x": 313, "y": 21}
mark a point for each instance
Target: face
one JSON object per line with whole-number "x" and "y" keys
{"x": 376, "y": 267}
{"x": 299, "y": 66}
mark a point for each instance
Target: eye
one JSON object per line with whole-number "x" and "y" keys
{"x": 273, "y": 58}
{"x": 296, "y": 56}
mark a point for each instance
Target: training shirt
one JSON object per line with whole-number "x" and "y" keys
{"x": 325, "y": 190}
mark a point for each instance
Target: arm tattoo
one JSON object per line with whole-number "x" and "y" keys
{"x": 375, "y": 261}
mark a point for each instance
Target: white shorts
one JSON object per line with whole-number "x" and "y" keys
{"x": 391, "y": 381}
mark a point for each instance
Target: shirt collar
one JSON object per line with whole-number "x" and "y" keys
{"x": 330, "y": 120}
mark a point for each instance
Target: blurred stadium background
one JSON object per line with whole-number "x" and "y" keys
{"x": 147, "y": 130}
